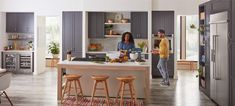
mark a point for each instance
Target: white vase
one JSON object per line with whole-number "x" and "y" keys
{"x": 55, "y": 55}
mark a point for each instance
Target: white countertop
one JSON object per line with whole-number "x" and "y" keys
{"x": 17, "y": 51}
{"x": 65, "y": 62}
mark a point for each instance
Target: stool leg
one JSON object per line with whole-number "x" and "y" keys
{"x": 65, "y": 88}
{"x": 80, "y": 87}
{"x": 93, "y": 92}
{"x": 133, "y": 87}
{"x": 120, "y": 87}
{"x": 122, "y": 91}
{"x": 131, "y": 90}
{"x": 69, "y": 88}
{"x": 107, "y": 92}
{"x": 75, "y": 84}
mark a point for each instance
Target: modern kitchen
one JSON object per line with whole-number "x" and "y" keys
{"x": 89, "y": 64}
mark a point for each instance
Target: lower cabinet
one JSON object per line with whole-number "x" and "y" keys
{"x": 170, "y": 66}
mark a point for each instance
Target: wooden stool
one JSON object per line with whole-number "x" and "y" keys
{"x": 67, "y": 89}
{"x": 100, "y": 79}
{"x": 123, "y": 81}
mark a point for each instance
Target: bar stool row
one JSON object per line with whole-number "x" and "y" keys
{"x": 98, "y": 79}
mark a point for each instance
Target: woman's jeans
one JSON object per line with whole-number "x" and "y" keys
{"x": 162, "y": 66}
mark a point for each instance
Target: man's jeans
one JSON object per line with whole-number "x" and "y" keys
{"x": 162, "y": 66}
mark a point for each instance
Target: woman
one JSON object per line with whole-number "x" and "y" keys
{"x": 127, "y": 42}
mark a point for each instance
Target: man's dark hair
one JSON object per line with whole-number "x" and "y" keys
{"x": 161, "y": 31}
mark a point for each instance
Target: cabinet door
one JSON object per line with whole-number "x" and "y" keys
{"x": 135, "y": 24}
{"x": 157, "y": 21}
{"x": 232, "y": 36}
{"x": 139, "y": 25}
{"x": 155, "y": 71}
{"x": 169, "y": 22}
{"x": 77, "y": 45}
{"x": 220, "y": 5}
{"x": 96, "y": 25}
{"x": 92, "y": 25}
{"x": 170, "y": 66}
{"x": 144, "y": 25}
{"x": 25, "y": 23}
{"x": 100, "y": 25}
{"x": 67, "y": 32}
{"x": 11, "y": 22}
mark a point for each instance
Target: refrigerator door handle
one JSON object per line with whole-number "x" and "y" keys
{"x": 213, "y": 55}
{"x": 216, "y": 77}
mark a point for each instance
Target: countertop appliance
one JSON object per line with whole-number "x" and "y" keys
{"x": 219, "y": 73}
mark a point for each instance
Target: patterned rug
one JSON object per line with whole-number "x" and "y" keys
{"x": 86, "y": 101}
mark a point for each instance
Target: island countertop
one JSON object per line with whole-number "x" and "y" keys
{"x": 145, "y": 64}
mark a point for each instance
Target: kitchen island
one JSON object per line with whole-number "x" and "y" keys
{"x": 87, "y": 69}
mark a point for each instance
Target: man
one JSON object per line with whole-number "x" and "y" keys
{"x": 164, "y": 55}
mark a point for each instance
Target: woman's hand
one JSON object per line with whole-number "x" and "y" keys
{"x": 155, "y": 51}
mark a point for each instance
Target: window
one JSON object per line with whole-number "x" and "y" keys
{"x": 52, "y": 32}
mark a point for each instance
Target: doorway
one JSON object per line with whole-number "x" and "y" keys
{"x": 188, "y": 42}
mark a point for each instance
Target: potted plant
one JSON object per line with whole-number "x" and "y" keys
{"x": 199, "y": 71}
{"x": 142, "y": 45}
{"x": 54, "y": 49}
{"x": 109, "y": 28}
{"x": 30, "y": 45}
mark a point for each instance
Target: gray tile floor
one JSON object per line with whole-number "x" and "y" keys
{"x": 29, "y": 90}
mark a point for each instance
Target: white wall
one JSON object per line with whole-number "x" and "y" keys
{"x": 3, "y": 35}
{"x": 40, "y": 6}
{"x": 40, "y": 45}
{"x": 117, "y": 5}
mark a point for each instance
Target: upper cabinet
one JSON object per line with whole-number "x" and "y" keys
{"x": 20, "y": 22}
{"x": 139, "y": 25}
{"x": 163, "y": 20}
{"x": 72, "y": 33}
{"x": 96, "y": 22}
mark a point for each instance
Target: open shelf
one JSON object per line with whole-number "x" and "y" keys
{"x": 117, "y": 23}
{"x": 113, "y": 36}
{"x": 22, "y": 39}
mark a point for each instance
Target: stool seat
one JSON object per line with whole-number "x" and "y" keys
{"x": 99, "y": 77}
{"x": 72, "y": 76}
{"x": 126, "y": 78}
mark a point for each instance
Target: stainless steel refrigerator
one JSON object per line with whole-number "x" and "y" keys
{"x": 219, "y": 75}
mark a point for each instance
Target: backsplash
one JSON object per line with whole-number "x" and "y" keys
{"x": 20, "y": 41}
{"x": 110, "y": 44}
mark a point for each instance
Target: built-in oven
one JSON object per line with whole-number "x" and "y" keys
{"x": 157, "y": 40}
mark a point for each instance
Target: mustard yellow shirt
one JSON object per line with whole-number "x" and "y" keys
{"x": 164, "y": 48}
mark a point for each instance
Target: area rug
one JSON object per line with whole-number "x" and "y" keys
{"x": 86, "y": 101}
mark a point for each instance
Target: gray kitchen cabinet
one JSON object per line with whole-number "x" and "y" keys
{"x": 11, "y": 22}
{"x": 72, "y": 34}
{"x": 26, "y": 23}
{"x": 220, "y": 5}
{"x": 20, "y": 22}
{"x": 96, "y": 22}
{"x": 170, "y": 65}
{"x": 139, "y": 25}
{"x": 163, "y": 20}
{"x": 232, "y": 36}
